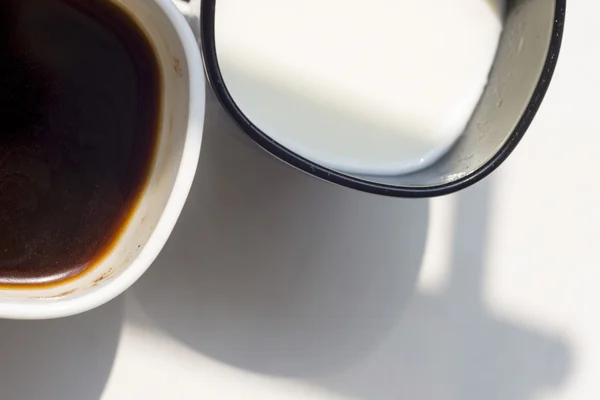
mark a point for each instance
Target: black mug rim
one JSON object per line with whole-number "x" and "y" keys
{"x": 215, "y": 79}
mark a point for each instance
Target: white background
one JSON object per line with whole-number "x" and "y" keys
{"x": 278, "y": 286}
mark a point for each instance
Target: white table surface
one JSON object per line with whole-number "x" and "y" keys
{"x": 278, "y": 286}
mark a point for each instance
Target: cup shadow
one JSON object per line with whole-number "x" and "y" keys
{"x": 63, "y": 359}
{"x": 276, "y": 272}
{"x": 450, "y": 345}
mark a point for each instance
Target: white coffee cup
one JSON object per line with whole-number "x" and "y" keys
{"x": 170, "y": 180}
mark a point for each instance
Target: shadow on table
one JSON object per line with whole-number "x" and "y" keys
{"x": 450, "y": 345}
{"x": 63, "y": 359}
{"x": 277, "y": 273}
{"x": 273, "y": 271}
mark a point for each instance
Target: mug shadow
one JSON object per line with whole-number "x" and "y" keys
{"x": 63, "y": 359}
{"x": 276, "y": 272}
{"x": 450, "y": 345}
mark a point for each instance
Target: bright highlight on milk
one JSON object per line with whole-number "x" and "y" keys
{"x": 379, "y": 87}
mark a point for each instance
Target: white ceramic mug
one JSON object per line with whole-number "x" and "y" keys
{"x": 170, "y": 180}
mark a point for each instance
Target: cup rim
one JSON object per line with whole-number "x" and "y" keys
{"x": 179, "y": 193}
{"x": 216, "y": 80}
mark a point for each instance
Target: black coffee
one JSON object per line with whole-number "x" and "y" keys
{"x": 79, "y": 116}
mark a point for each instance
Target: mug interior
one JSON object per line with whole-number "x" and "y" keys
{"x": 149, "y": 226}
{"x": 519, "y": 78}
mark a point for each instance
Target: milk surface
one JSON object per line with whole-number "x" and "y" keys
{"x": 374, "y": 87}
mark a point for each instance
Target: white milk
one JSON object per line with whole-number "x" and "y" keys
{"x": 369, "y": 86}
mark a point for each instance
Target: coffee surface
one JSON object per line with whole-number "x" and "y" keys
{"x": 79, "y": 119}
